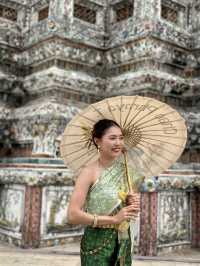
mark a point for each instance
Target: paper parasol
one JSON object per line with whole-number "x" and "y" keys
{"x": 154, "y": 133}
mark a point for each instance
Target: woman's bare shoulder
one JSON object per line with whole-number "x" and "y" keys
{"x": 89, "y": 171}
{"x": 91, "y": 166}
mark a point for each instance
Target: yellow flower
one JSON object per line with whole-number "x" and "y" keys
{"x": 123, "y": 226}
{"x": 122, "y": 195}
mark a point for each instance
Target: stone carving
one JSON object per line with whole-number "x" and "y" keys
{"x": 179, "y": 182}
{"x": 5, "y": 111}
{"x": 193, "y": 128}
{"x": 44, "y": 131}
{"x": 190, "y": 66}
{"x": 33, "y": 177}
{"x": 44, "y": 140}
{"x": 69, "y": 53}
{"x": 55, "y": 209}
{"x": 11, "y": 202}
{"x": 31, "y": 124}
{"x": 174, "y": 217}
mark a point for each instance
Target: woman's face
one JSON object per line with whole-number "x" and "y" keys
{"x": 111, "y": 143}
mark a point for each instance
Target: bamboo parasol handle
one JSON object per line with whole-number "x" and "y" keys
{"x": 130, "y": 188}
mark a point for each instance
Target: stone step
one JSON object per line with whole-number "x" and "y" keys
{"x": 31, "y": 165}
{"x": 31, "y": 160}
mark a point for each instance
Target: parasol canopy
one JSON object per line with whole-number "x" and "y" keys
{"x": 155, "y": 134}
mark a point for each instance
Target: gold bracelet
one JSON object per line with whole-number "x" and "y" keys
{"x": 95, "y": 221}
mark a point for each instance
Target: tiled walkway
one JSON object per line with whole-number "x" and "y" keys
{"x": 68, "y": 256}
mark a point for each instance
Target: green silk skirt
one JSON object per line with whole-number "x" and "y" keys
{"x": 101, "y": 247}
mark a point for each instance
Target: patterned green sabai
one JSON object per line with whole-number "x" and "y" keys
{"x": 108, "y": 246}
{"x": 101, "y": 247}
{"x": 103, "y": 197}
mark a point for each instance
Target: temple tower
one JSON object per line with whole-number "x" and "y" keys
{"x": 57, "y": 56}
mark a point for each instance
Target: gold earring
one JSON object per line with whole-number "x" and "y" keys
{"x": 98, "y": 149}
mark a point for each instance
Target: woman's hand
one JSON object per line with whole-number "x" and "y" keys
{"x": 133, "y": 199}
{"x": 126, "y": 213}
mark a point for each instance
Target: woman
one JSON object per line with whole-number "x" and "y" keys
{"x": 95, "y": 202}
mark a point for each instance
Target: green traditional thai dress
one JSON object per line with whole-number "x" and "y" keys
{"x": 107, "y": 246}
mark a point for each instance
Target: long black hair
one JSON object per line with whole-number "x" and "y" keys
{"x": 100, "y": 128}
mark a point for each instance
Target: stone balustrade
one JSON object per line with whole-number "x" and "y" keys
{"x": 35, "y": 193}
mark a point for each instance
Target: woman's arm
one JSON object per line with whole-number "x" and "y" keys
{"x": 76, "y": 214}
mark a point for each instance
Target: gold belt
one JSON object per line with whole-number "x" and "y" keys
{"x": 114, "y": 226}
{"x": 123, "y": 226}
